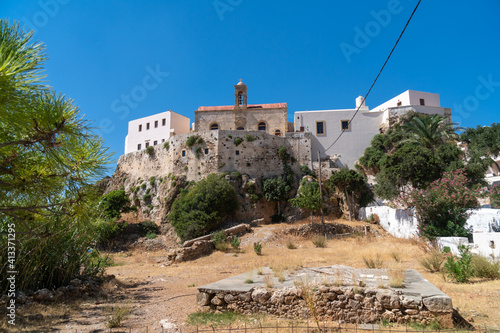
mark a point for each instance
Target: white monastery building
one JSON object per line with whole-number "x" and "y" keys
{"x": 153, "y": 130}
{"x": 327, "y": 125}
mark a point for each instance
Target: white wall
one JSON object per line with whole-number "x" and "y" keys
{"x": 410, "y": 97}
{"x": 487, "y": 243}
{"x": 174, "y": 122}
{"x": 352, "y": 144}
{"x": 403, "y": 223}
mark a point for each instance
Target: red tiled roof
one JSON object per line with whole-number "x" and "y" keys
{"x": 250, "y": 106}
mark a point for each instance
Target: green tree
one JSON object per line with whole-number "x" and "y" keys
{"x": 49, "y": 156}
{"x": 276, "y": 189}
{"x": 308, "y": 198}
{"x": 430, "y": 130}
{"x": 352, "y": 185}
{"x": 199, "y": 210}
{"x": 114, "y": 203}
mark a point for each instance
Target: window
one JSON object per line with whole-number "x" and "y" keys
{"x": 214, "y": 127}
{"x": 147, "y": 126}
{"x": 139, "y": 146}
{"x": 140, "y": 128}
{"x": 277, "y": 133}
{"x": 399, "y": 103}
{"x": 237, "y": 152}
{"x": 156, "y": 123}
{"x": 147, "y": 144}
{"x": 240, "y": 98}
{"x": 262, "y": 126}
{"x": 155, "y": 142}
{"x": 163, "y": 122}
{"x": 240, "y": 128}
{"x": 422, "y": 101}
{"x": 345, "y": 125}
{"x": 320, "y": 128}
{"x": 183, "y": 153}
{"x": 206, "y": 151}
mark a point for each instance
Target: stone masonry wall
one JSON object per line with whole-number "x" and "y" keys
{"x": 345, "y": 304}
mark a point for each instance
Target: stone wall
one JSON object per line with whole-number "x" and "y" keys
{"x": 345, "y": 304}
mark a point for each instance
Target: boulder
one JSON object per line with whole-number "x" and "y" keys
{"x": 261, "y": 295}
{"x": 440, "y": 303}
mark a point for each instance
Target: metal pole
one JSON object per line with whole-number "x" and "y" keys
{"x": 320, "y": 191}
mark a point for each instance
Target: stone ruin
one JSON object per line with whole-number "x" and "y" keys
{"x": 339, "y": 293}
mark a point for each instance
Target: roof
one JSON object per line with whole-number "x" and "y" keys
{"x": 250, "y": 106}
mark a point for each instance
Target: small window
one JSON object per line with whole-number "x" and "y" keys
{"x": 240, "y": 128}
{"x": 422, "y": 101}
{"x": 214, "y": 127}
{"x": 320, "y": 128}
{"x": 277, "y": 133}
{"x": 147, "y": 144}
{"x": 206, "y": 151}
{"x": 345, "y": 125}
{"x": 147, "y": 126}
{"x": 140, "y": 128}
{"x": 139, "y": 146}
{"x": 237, "y": 152}
{"x": 399, "y": 103}
{"x": 156, "y": 123}
{"x": 262, "y": 126}
{"x": 240, "y": 98}
{"x": 183, "y": 153}
{"x": 163, "y": 122}
{"x": 155, "y": 142}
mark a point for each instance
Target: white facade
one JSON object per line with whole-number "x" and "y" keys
{"x": 327, "y": 125}
{"x": 154, "y": 130}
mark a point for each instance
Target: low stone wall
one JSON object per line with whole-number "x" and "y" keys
{"x": 345, "y": 304}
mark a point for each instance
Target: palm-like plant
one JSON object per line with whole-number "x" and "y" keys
{"x": 430, "y": 130}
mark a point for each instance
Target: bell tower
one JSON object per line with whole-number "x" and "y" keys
{"x": 240, "y": 106}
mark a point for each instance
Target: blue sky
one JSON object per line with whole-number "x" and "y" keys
{"x": 183, "y": 54}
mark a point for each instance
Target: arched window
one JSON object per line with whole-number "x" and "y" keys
{"x": 277, "y": 133}
{"x": 214, "y": 127}
{"x": 240, "y": 128}
{"x": 262, "y": 126}
{"x": 240, "y": 98}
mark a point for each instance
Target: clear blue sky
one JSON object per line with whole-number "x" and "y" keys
{"x": 310, "y": 54}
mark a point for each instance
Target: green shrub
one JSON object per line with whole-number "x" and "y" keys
{"x": 146, "y": 197}
{"x": 152, "y": 181}
{"x": 198, "y": 152}
{"x": 151, "y": 235}
{"x": 143, "y": 186}
{"x": 191, "y": 140}
{"x": 236, "y": 174}
{"x": 114, "y": 203}
{"x": 460, "y": 269}
{"x": 201, "y": 208}
{"x": 250, "y": 138}
{"x": 150, "y": 150}
{"x": 166, "y": 145}
{"x": 486, "y": 268}
{"x": 199, "y": 140}
{"x": 255, "y": 197}
{"x": 186, "y": 168}
{"x": 257, "y": 247}
{"x": 282, "y": 151}
{"x": 106, "y": 229}
{"x": 230, "y": 136}
{"x": 238, "y": 141}
{"x": 235, "y": 243}
{"x": 148, "y": 191}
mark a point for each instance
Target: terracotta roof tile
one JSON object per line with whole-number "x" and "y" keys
{"x": 250, "y": 106}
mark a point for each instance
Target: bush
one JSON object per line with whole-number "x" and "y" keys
{"x": 148, "y": 227}
{"x": 460, "y": 270}
{"x": 191, "y": 140}
{"x": 146, "y": 197}
{"x": 151, "y": 235}
{"x": 152, "y": 181}
{"x": 282, "y": 151}
{"x": 319, "y": 241}
{"x": 150, "y": 150}
{"x": 143, "y": 186}
{"x": 235, "y": 243}
{"x": 114, "y": 203}
{"x": 433, "y": 261}
{"x": 201, "y": 208}
{"x": 306, "y": 171}
{"x": 106, "y": 229}
{"x": 486, "y": 268}
{"x": 373, "y": 263}
{"x": 198, "y": 152}
{"x": 257, "y": 247}
{"x": 290, "y": 245}
{"x": 495, "y": 197}
{"x": 238, "y": 141}
{"x": 250, "y": 138}
{"x": 199, "y": 140}
{"x": 443, "y": 208}
{"x": 166, "y": 145}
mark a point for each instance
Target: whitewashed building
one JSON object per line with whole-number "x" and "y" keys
{"x": 154, "y": 130}
{"x": 328, "y": 125}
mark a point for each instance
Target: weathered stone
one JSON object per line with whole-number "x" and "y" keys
{"x": 331, "y": 296}
{"x": 245, "y": 297}
{"x": 217, "y": 301}
{"x": 336, "y": 290}
{"x": 354, "y": 304}
{"x": 323, "y": 289}
{"x": 438, "y": 304}
{"x": 168, "y": 326}
{"x": 388, "y": 299}
{"x": 229, "y": 298}
{"x": 411, "y": 312}
{"x": 261, "y": 295}
{"x": 75, "y": 283}
{"x": 203, "y": 298}
{"x": 44, "y": 295}
{"x": 359, "y": 297}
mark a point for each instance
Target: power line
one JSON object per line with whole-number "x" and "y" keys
{"x": 380, "y": 72}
